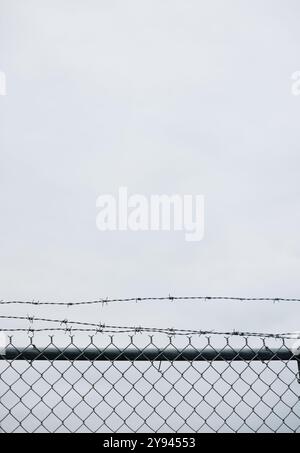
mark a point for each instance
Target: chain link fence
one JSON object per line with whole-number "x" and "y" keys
{"x": 148, "y": 384}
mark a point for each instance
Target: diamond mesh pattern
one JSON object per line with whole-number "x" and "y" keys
{"x": 92, "y": 388}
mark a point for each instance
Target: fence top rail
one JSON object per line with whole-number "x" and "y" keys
{"x": 147, "y": 354}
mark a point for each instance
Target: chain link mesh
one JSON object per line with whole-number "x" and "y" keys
{"x": 149, "y": 384}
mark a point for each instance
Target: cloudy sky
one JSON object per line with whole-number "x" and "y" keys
{"x": 163, "y": 97}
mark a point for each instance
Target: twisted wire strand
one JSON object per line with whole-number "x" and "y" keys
{"x": 106, "y": 301}
{"x": 103, "y": 328}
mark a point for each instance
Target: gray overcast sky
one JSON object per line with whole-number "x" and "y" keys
{"x": 162, "y": 97}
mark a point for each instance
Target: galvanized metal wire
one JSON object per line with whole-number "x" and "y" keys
{"x": 84, "y": 326}
{"x": 107, "y": 300}
{"x": 148, "y": 384}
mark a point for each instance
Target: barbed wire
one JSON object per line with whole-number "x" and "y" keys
{"x": 103, "y": 328}
{"x": 107, "y": 301}
{"x": 167, "y": 331}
